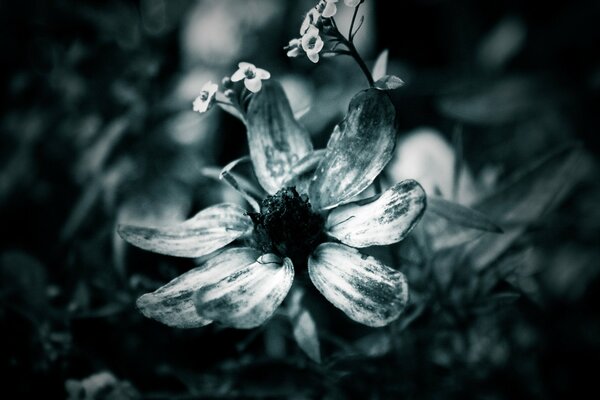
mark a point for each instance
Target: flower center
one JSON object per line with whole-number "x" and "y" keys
{"x": 249, "y": 73}
{"x": 287, "y": 226}
{"x": 204, "y": 95}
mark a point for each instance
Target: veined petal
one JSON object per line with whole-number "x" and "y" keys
{"x": 359, "y": 148}
{"x": 173, "y": 304}
{"x": 385, "y": 220}
{"x": 253, "y": 84}
{"x": 209, "y": 230}
{"x": 248, "y": 297}
{"x": 275, "y": 138}
{"x": 366, "y": 290}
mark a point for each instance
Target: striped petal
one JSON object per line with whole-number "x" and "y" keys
{"x": 385, "y": 220}
{"x": 209, "y": 230}
{"x": 248, "y": 297}
{"x": 302, "y": 172}
{"x": 275, "y": 138}
{"x": 366, "y": 290}
{"x": 173, "y": 304}
{"x": 358, "y": 150}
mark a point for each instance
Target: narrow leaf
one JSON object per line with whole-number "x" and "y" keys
{"x": 380, "y": 67}
{"x": 461, "y": 215}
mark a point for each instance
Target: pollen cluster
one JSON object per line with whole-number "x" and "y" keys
{"x": 287, "y": 225}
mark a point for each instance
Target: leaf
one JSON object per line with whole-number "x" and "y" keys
{"x": 380, "y": 67}
{"x": 347, "y": 169}
{"x": 304, "y": 326}
{"x": 526, "y": 197}
{"x": 388, "y": 82}
{"x": 461, "y": 215}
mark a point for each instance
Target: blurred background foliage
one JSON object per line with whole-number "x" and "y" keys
{"x": 97, "y": 128}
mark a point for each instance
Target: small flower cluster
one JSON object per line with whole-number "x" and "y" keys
{"x": 316, "y": 20}
{"x": 249, "y": 73}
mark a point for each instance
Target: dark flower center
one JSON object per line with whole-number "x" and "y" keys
{"x": 249, "y": 73}
{"x": 287, "y": 226}
{"x": 204, "y": 95}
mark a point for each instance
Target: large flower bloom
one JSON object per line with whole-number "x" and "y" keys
{"x": 310, "y": 218}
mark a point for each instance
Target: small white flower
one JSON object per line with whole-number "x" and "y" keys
{"x": 330, "y": 8}
{"x": 311, "y": 19}
{"x": 352, "y": 3}
{"x": 205, "y": 100}
{"x": 312, "y": 43}
{"x": 294, "y": 48}
{"x": 251, "y": 75}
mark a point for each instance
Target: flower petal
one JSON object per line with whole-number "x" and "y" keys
{"x": 302, "y": 172}
{"x": 366, "y": 290}
{"x": 246, "y": 65}
{"x": 253, "y": 84}
{"x": 248, "y": 297}
{"x": 330, "y": 9}
{"x": 386, "y": 220}
{"x": 173, "y": 304}
{"x": 313, "y": 56}
{"x": 359, "y": 148}
{"x": 275, "y": 138}
{"x": 263, "y": 73}
{"x": 209, "y": 230}
{"x": 238, "y": 75}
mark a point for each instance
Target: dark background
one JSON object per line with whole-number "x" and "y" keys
{"x": 96, "y": 127}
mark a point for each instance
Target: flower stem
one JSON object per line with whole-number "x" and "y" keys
{"x": 352, "y": 50}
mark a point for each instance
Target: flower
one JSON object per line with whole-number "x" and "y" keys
{"x": 206, "y": 99}
{"x": 310, "y": 19}
{"x": 251, "y": 75}
{"x": 312, "y": 43}
{"x": 294, "y": 47}
{"x": 352, "y": 3}
{"x": 310, "y": 219}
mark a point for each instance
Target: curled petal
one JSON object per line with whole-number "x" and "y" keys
{"x": 253, "y": 84}
{"x": 173, "y": 304}
{"x": 209, "y": 230}
{"x": 366, "y": 290}
{"x": 275, "y": 138}
{"x": 386, "y": 220}
{"x": 358, "y": 150}
{"x": 249, "y": 296}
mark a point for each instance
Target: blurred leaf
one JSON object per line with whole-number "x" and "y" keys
{"x": 380, "y": 67}
{"x": 526, "y": 197}
{"x": 304, "y": 326}
{"x": 493, "y": 102}
{"x": 388, "y": 82}
{"x": 23, "y": 282}
{"x": 461, "y": 215}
